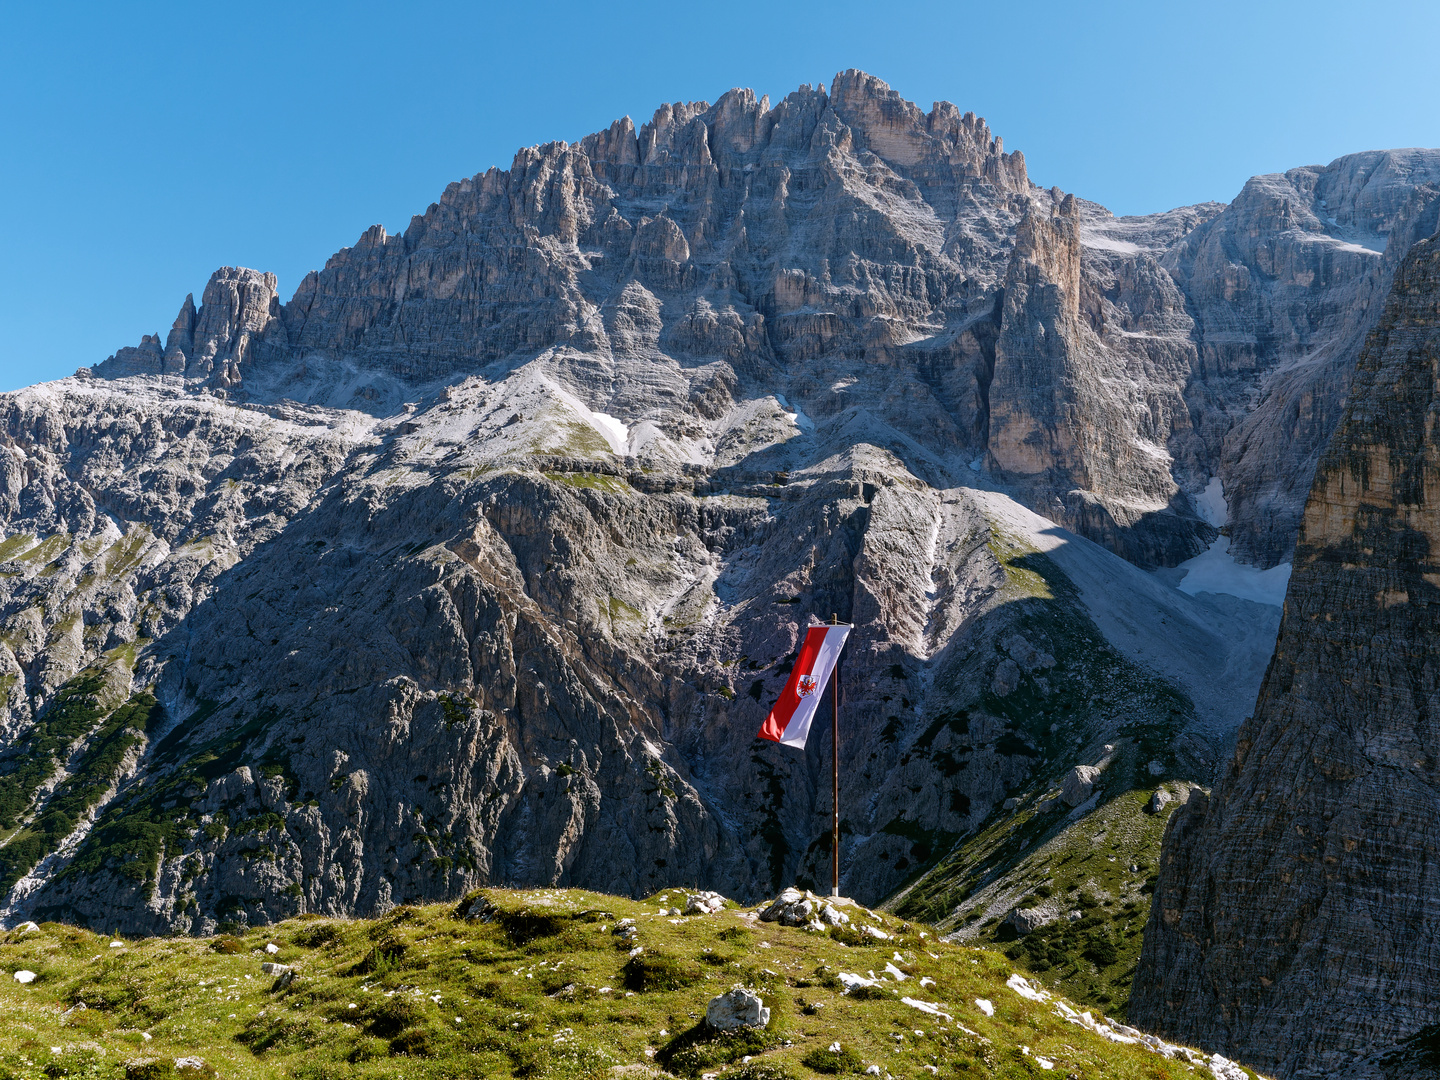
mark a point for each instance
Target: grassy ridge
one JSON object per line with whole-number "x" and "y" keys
{"x": 538, "y": 986}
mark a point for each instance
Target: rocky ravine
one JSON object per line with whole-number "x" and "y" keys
{"x": 482, "y": 558}
{"x": 1296, "y": 909}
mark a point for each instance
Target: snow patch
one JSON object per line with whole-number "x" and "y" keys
{"x": 614, "y": 430}
{"x": 1212, "y": 505}
{"x": 797, "y": 416}
{"x": 1092, "y": 239}
{"x": 1215, "y": 570}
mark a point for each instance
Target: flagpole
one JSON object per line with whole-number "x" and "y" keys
{"x": 835, "y": 732}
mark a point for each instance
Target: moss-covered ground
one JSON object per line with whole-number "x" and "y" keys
{"x": 540, "y": 985}
{"x": 1095, "y": 877}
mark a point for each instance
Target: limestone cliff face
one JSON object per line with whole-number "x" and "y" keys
{"x": 1284, "y": 286}
{"x": 846, "y": 237}
{"x": 1295, "y": 914}
{"x": 1071, "y": 428}
{"x": 210, "y": 345}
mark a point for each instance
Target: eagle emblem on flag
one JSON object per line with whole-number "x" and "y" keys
{"x": 790, "y": 717}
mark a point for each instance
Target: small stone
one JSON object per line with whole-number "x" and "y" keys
{"x": 117, "y": 944}
{"x": 873, "y": 1070}
{"x": 274, "y": 969}
{"x": 272, "y": 948}
{"x": 1159, "y": 800}
{"x": 1011, "y": 803}
{"x": 1025, "y": 920}
{"x": 985, "y": 1006}
{"x": 737, "y": 1008}
{"x": 24, "y": 977}
{"x": 26, "y": 927}
{"x": 1156, "y": 768}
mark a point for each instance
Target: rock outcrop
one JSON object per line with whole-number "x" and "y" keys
{"x": 1294, "y": 918}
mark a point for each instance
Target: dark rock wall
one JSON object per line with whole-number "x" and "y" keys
{"x": 1297, "y": 916}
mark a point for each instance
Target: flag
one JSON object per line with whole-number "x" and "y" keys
{"x": 789, "y": 721}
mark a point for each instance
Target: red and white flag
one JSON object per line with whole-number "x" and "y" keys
{"x": 789, "y": 721}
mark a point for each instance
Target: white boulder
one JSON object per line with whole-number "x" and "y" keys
{"x": 737, "y": 1008}
{"x": 830, "y": 915}
{"x": 704, "y": 903}
{"x": 24, "y": 977}
{"x": 1079, "y": 783}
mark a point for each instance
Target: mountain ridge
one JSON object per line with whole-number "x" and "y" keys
{"x": 481, "y": 558}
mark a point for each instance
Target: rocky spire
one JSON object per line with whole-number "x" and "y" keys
{"x": 236, "y": 309}
{"x": 181, "y": 341}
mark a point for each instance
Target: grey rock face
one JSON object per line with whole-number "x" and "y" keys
{"x": 1024, "y": 920}
{"x": 210, "y": 346}
{"x": 1079, "y": 783}
{"x": 1415, "y": 1058}
{"x": 1295, "y": 912}
{"x": 483, "y": 557}
{"x": 1284, "y": 285}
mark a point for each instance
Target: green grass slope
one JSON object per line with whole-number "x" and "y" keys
{"x": 1094, "y": 877}
{"x": 533, "y": 984}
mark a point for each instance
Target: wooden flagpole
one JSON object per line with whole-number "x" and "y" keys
{"x": 835, "y": 732}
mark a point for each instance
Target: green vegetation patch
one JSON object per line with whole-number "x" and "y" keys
{"x": 1097, "y": 875}
{"x": 1023, "y": 565}
{"x": 125, "y": 554}
{"x": 46, "y": 550}
{"x": 11, "y": 546}
{"x": 73, "y": 713}
{"x": 571, "y": 437}
{"x": 94, "y": 775}
{"x": 592, "y": 481}
{"x": 456, "y": 996}
{"x": 131, "y": 834}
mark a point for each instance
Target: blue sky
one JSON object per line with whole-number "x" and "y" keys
{"x": 143, "y": 145}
